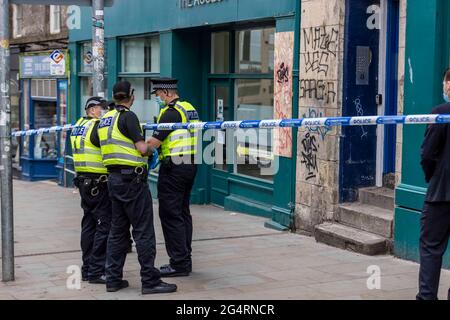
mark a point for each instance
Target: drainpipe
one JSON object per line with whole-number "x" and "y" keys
{"x": 295, "y": 102}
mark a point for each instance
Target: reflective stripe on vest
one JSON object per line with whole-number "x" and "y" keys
{"x": 116, "y": 148}
{"x": 87, "y": 157}
{"x": 181, "y": 141}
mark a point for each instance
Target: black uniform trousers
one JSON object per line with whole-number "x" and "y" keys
{"x": 175, "y": 184}
{"x": 95, "y": 226}
{"x": 131, "y": 203}
{"x": 434, "y": 236}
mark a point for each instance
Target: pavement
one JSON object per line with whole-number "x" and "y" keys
{"x": 234, "y": 258}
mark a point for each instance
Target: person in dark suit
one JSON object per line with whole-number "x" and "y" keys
{"x": 435, "y": 220}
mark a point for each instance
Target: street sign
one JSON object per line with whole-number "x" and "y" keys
{"x": 83, "y": 3}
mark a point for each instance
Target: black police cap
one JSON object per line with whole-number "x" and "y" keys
{"x": 122, "y": 88}
{"x": 95, "y": 101}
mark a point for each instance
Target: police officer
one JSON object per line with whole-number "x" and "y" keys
{"x": 91, "y": 180}
{"x": 125, "y": 154}
{"x": 176, "y": 176}
{"x": 435, "y": 219}
{"x": 112, "y": 106}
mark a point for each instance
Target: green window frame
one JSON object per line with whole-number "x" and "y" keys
{"x": 234, "y": 77}
{"x": 145, "y": 105}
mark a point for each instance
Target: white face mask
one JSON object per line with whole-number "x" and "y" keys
{"x": 160, "y": 102}
{"x": 103, "y": 112}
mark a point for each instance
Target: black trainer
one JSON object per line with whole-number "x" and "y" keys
{"x": 101, "y": 280}
{"x": 169, "y": 272}
{"x": 162, "y": 287}
{"x": 124, "y": 284}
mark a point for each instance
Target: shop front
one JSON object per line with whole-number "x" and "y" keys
{"x": 235, "y": 60}
{"x": 44, "y": 83}
{"x": 427, "y": 56}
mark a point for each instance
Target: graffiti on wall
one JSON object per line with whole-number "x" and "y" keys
{"x": 309, "y": 151}
{"x": 318, "y": 87}
{"x": 360, "y": 113}
{"x": 284, "y": 58}
{"x": 321, "y": 130}
{"x": 320, "y": 90}
{"x": 320, "y": 47}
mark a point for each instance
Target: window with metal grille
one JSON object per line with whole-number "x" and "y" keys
{"x": 43, "y": 88}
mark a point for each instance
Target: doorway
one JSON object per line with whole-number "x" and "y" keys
{"x": 370, "y": 88}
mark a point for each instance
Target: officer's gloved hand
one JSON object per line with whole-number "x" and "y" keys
{"x": 154, "y": 160}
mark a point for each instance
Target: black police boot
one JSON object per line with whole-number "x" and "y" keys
{"x": 100, "y": 280}
{"x": 162, "y": 287}
{"x": 124, "y": 284}
{"x": 167, "y": 271}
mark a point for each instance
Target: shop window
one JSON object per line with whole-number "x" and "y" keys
{"x": 145, "y": 107}
{"x": 87, "y": 65}
{"x": 87, "y": 91}
{"x": 55, "y": 19}
{"x": 255, "y": 50}
{"x": 45, "y": 117}
{"x": 220, "y": 52}
{"x": 141, "y": 55}
{"x": 254, "y": 100}
{"x": 87, "y": 59}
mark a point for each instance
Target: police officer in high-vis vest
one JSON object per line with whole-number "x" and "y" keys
{"x": 176, "y": 176}
{"x": 125, "y": 154}
{"x": 91, "y": 180}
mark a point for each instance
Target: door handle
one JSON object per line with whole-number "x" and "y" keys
{"x": 379, "y": 99}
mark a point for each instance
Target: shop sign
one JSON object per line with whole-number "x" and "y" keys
{"x": 57, "y": 63}
{"x": 43, "y": 65}
{"x": 187, "y": 4}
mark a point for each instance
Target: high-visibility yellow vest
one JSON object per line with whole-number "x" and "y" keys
{"x": 117, "y": 149}
{"x": 181, "y": 141}
{"x": 86, "y": 156}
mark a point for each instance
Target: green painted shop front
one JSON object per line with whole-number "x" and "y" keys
{"x": 203, "y": 46}
{"x": 427, "y": 56}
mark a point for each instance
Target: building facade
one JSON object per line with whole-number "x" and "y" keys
{"x": 39, "y": 74}
{"x": 261, "y": 59}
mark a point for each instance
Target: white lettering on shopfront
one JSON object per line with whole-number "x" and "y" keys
{"x": 187, "y": 4}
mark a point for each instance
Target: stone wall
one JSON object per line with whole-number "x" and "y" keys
{"x": 36, "y": 25}
{"x": 321, "y": 74}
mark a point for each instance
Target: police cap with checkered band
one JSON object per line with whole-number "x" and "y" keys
{"x": 164, "y": 84}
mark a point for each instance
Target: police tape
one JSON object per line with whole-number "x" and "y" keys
{"x": 272, "y": 124}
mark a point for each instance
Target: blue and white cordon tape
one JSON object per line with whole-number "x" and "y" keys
{"x": 272, "y": 124}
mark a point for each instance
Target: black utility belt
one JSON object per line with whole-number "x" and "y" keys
{"x": 82, "y": 175}
{"x": 129, "y": 170}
